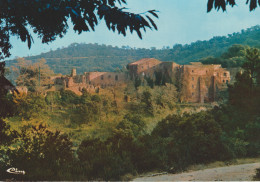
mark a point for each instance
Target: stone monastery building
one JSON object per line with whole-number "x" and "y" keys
{"x": 197, "y": 83}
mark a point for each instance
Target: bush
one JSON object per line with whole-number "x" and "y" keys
{"x": 43, "y": 154}
{"x": 29, "y": 106}
{"x": 53, "y": 97}
{"x": 105, "y": 160}
{"x": 69, "y": 97}
{"x": 146, "y": 99}
{"x": 257, "y": 175}
{"x": 186, "y": 140}
{"x": 6, "y": 137}
{"x": 134, "y": 123}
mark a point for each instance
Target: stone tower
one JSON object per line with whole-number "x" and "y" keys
{"x": 73, "y": 72}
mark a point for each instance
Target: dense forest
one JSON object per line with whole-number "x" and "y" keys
{"x": 94, "y": 57}
{"x": 105, "y": 136}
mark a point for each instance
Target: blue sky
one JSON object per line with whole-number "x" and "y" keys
{"x": 180, "y": 21}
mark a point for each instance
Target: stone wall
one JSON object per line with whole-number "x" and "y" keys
{"x": 144, "y": 66}
{"x": 149, "y": 66}
{"x": 105, "y": 79}
{"x": 200, "y": 83}
{"x": 91, "y": 81}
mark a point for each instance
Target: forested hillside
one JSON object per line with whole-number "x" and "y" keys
{"x": 94, "y": 57}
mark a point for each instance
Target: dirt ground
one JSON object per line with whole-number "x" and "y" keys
{"x": 243, "y": 172}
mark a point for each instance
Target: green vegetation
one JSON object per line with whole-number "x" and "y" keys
{"x": 234, "y": 57}
{"x": 112, "y": 135}
{"x": 48, "y": 154}
{"x": 94, "y": 57}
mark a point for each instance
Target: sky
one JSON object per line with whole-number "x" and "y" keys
{"x": 180, "y": 22}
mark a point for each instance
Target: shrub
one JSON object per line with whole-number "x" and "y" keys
{"x": 43, "y": 154}
{"x": 257, "y": 175}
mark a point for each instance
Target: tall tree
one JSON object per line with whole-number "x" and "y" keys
{"x": 247, "y": 83}
{"x": 252, "y": 64}
{"x": 33, "y": 75}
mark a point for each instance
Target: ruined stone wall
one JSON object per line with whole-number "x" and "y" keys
{"x": 196, "y": 82}
{"x": 145, "y": 66}
{"x": 78, "y": 87}
{"x": 22, "y": 89}
{"x": 105, "y": 79}
{"x": 170, "y": 69}
{"x": 148, "y": 68}
{"x": 91, "y": 81}
{"x": 200, "y": 83}
{"x": 132, "y": 70}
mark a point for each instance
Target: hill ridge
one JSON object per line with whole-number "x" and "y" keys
{"x": 95, "y": 57}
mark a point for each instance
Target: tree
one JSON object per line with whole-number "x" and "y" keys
{"x": 48, "y": 19}
{"x": 138, "y": 82}
{"x": 146, "y": 99}
{"x": 6, "y": 109}
{"x": 252, "y": 64}
{"x": 247, "y": 83}
{"x": 6, "y": 106}
{"x": 29, "y": 105}
{"x": 133, "y": 123}
{"x": 6, "y": 133}
{"x": 33, "y": 75}
{"x": 179, "y": 141}
{"x": 234, "y": 57}
{"x": 107, "y": 160}
{"x": 7, "y": 136}
{"x": 223, "y": 3}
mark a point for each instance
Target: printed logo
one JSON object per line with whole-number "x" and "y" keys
{"x": 15, "y": 171}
